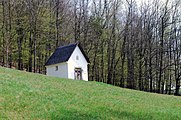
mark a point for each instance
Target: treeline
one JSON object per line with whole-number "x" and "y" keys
{"x": 130, "y": 45}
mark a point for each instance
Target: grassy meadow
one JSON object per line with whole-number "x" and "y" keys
{"x": 38, "y": 97}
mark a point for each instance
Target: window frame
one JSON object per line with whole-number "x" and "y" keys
{"x": 77, "y": 57}
{"x": 56, "y": 68}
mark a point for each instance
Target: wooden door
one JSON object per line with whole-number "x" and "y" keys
{"x": 78, "y": 74}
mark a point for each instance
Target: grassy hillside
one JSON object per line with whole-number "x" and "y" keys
{"x": 32, "y": 96}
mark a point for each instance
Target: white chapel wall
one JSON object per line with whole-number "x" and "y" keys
{"x": 62, "y": 71}
{"x": 80, "y": 63}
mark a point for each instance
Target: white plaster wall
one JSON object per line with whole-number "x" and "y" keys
{"x": 81, "y": 63}
{"x": 62, "y": 70}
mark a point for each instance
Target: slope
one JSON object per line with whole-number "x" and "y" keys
{"x": 32, "y": 96}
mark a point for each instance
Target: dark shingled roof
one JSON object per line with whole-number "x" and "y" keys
{"x": 62, "y": 54}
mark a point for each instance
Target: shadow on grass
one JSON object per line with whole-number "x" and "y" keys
{"x": 73, "y": 115}
{"x": 110, "y": 114}
{"x": 129, "y": 116}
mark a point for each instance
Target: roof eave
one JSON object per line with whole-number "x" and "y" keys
{"x": 56, "y": 63}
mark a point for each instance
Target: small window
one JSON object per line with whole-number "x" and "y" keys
{"x": 77, "y": 57}
{"x": 56, "y": 68}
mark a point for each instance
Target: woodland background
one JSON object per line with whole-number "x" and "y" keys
{"x": 137, "y": 46}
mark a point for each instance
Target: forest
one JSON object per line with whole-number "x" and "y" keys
{"x": 130, "y": 44}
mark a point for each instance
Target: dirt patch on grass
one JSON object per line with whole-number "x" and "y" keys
{"x": 1, "y": 99}
{"x": 178, "y": 105}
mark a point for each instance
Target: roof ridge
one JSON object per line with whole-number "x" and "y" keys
{"x": 67, "y": 45}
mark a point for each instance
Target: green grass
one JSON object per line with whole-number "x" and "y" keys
{"x": 31, "y": 96}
